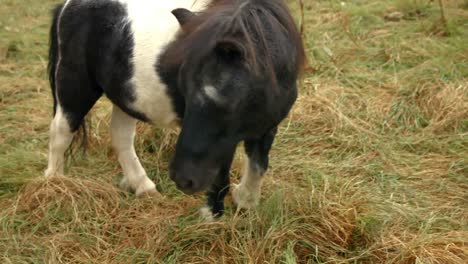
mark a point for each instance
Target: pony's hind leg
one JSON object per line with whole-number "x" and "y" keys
{"x": 61, "y": 137}
{"x": 123, "y": 133}
{"x": 75, "y": 94}
{"x": 246, "y": 195}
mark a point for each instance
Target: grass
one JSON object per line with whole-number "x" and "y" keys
{"x": 370, "y": 167}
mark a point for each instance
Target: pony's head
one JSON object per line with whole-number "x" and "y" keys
{"x": 233, "y": 71}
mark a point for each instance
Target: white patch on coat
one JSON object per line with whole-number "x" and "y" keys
{"x": 246, "y": 195}
{"x": 206, "y": 214}
{"x": 153, "y": 27}
{"x": 59, "y": 43}
{"x": 213, "y": 94}
{"x": 122, "y": 134}
{"x": 60, "y": 139}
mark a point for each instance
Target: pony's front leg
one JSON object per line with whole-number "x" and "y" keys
{"x": 246, "y": 195}
{"x": 123, "y": 133}
{"x": 215, "y": 196}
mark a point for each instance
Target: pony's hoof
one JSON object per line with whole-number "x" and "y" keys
{"x": 51, "y": 173}
{"x": 243, "y": 198}
{"x": 146, "y": 188}
{"x": 149, "y": 193}
{"x": 207, "y": 215}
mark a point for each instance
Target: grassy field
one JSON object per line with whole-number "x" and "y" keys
{"x": 370, "y": 167}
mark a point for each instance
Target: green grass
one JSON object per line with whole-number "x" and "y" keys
{"x": 370, "y": 167}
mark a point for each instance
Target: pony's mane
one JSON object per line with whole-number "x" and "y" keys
{"x": 263, "y": 30}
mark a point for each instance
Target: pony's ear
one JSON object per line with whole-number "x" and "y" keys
{"x": 183, "y": 15}
{"x": 229, "y": 51}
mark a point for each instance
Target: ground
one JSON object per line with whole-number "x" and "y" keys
{"x": 371, "y": 166}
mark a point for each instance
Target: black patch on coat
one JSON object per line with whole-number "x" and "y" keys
{"x": 96, "y": 47}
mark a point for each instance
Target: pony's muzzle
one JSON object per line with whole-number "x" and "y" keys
{"x": 191, "y": 179}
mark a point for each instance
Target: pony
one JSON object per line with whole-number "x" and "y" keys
{"x": 225, "y": 71}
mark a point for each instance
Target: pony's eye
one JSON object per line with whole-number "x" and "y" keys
{"x": 228, "y": 52}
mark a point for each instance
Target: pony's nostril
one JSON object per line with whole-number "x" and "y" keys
{"x": 186, "y": 184}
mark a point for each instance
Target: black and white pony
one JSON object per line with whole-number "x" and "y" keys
{"x": 226, "y": 71}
